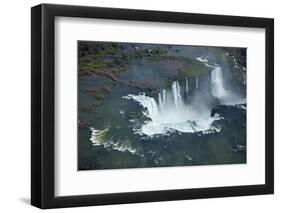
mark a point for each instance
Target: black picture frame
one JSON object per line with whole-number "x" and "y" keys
{"x": 43, "y": 117}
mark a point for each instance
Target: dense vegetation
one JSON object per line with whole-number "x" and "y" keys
{"x": 109, "y": 59}
{"x": 98, "y": 58}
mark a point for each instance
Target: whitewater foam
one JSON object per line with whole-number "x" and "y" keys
{"x": 217, "y": 83}
{"x": 174, "y": 112}
{"x": 177, "y": 117}
{"x": 97, "y": 139}
{"x": 204, "y": 61}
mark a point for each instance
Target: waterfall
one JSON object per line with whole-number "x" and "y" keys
{"x": 168, "y": 112}
{"x": 186, "y": 86}
{"x": 164, "y": 97}
{"x": 243, "y": 79}
{"x": 171, "y": 113}
{"x": 151, "y": 105}
{"x": 176, "y": 93}
{"x": 161, "y": 106}
{"x": 148, "y": 103}
{"x": 162, "y": 100}
{"x": 186, "y": 90}
{"x": 218, "y": 90}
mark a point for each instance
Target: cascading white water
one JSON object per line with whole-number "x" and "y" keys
{"x": 164, "y": 97}
{"x": 204, "y": 61}
{"x": 186, "y": 90}
{"x": 218, "y": 90}
{"x": 186, "y": 86}
{"x": 244, "y": 79}
{"x": 98, "y": 139}
{"x": 148, "y": 103}
{"x": 177, "y": 94}
{"x": 171, "y": 114}
{"x": 162, "y": 100}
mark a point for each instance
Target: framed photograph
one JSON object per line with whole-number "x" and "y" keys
{"x": 139, "y": 106}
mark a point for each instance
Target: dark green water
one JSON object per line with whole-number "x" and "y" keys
{"x": 130, "y": 150}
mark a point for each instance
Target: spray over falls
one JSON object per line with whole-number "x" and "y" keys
{"x": 218, "y": 90}
{"x": 175, "y": 112}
